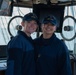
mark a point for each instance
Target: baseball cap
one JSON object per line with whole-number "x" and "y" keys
{"x": 30, "y": 16}
{"x": 50, "y": 19}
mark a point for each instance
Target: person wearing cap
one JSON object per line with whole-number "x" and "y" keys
{"x": 20, "y": 48}
{"x": 51, "y": 54}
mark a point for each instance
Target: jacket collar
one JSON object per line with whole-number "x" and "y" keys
{"x": 24, "y": 35}
{"x": 47, "y": 41}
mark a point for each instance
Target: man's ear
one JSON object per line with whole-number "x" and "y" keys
{"x": 55, "y": 28}
{"x": 22, "y": 23}
{"x": 42, "y": 25}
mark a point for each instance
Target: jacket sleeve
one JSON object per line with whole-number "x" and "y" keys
{"x": 64, "y": 63}
{"x": 14, "y": 61}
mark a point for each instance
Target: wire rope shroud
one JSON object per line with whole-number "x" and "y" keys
{"x": 9, "y": 24}
{"x": 65, "y": 38}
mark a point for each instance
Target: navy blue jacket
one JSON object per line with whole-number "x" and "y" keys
{"x": 52, "y": 57}
{"x": 20, "y": 56}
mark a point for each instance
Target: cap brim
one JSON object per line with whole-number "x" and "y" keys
{"x": 46, "y": 22}
{"x": 33, "y": 19}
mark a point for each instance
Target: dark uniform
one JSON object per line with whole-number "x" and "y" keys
{"x": 52, "y": 57}
{"x": 21, "y": 56}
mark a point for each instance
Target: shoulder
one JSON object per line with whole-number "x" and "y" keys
{"x": 59, "y": 42}
{"x": 15, "y": 41}
{"x": 61, "y": 45}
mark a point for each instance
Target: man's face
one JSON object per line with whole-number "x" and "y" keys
{"x": 30, "y": 26}
{"x": 48, "y": 28}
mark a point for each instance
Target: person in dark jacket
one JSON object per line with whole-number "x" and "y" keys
{"x": 20, "y": 48}
{"x": 51, "y": 54}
